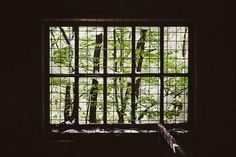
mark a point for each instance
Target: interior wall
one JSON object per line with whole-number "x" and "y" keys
{"x": 21, "y": 79}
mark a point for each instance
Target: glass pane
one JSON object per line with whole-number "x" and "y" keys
{"x": 147, "y": 49}
{"x": 119, "y": 100}
{"x": 175, "y": 99}
{"x": 90, "y": 49}
{"x": 61, "y": 47}
{"x": 61, "y": 99}
{"x": 119, "y": 41}
{"x": 147, "y": 94}
{"x": 176, "y": 49}
{"x": 90, "y": 100}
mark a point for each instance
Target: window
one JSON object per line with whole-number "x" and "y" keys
{"x": 101, "y": 73}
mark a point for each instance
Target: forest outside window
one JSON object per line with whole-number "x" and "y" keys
{"x": 117, "y": 74}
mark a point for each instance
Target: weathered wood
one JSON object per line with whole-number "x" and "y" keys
{"x": 176, "y": 148}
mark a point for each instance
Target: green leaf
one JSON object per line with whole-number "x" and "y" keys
{"x": 63, "y": 56}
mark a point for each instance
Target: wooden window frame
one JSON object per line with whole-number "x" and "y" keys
{"x": 46, "y": 23}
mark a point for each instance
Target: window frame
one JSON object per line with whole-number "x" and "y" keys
{"x": 191, "y": 75}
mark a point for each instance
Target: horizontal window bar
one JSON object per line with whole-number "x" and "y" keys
{"x": 120, "y": 75}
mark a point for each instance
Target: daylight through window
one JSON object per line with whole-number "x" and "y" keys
{"x": 118, "y": 74}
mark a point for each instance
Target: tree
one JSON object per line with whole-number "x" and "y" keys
{"x": 119, "y": 62}
{"x": 62, "y": 56}
{"x": 176, "y": 88}
{"x": 124, "y": 87}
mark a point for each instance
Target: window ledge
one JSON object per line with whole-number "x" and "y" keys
{"x": 102, "y": 131}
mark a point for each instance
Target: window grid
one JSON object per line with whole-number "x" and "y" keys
{"x": 106, "y": 75}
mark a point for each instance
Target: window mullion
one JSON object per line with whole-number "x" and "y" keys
{"x": 148, "y": 93}
{"x": 133, "y": 117}
{"x": 105, "y": 76}
{"x": 76, "y": 94}
{"x": 46, "y": 78}
{"x": 162, "y": 74}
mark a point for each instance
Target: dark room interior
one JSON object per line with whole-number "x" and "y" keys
{"x": 211, "y": 131}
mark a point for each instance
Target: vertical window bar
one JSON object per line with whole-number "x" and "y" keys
{"x": 76, "y": 94}
{"x": 162, "y": 72}
{"x": 105, "y": 76}
{"x": 191, "y": 78}
{"x": 47, "y": 75}
{"x": 133, "y": 117}
{"x": 46, "y": 100}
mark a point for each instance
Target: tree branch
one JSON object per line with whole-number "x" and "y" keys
{"x": 64, "y": 35}
{"x": 54, "y": 39}
{"x": 183, "y": 50}
{"x": 177, "y": 94}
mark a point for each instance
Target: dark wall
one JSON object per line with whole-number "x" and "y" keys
{"x": 21, "y": 80}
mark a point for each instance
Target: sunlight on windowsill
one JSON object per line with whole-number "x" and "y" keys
{"x": 116, "y": 131}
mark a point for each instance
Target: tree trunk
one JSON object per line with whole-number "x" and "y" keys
{"x": 121, "y": 115}
{"x": 73, "y": 114}
{"x": 124, "y": 103}
{"x": 123, "y": 98}
{"x": 64, "y": 35}
{"x": 140, "y": 46}
{"x": 67, "y": 103}
{"x": 115, "y": 79}
{"x": 96, "y": 61}
{"x": 93, "y": 101}
{"x": 183, "y": 50}
{"x": 94, "y": 89}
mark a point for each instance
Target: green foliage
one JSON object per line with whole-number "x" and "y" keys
{"x": 176, "y": 95}
{"x": 63, "y": 56}
{"x": 118, "y": 91}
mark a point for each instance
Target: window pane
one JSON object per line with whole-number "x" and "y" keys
{"x": 147, "y": 49}
{"x": 61, "y": 99}
{"x": 118, "y": 100}
{"x": 90, "y": 100}
{"x": 147, "y": 94}
{"x": 176, "y": 49}
{"x": 175, "y": 99}
{"x": 90, "y": 49}
{"x": 61, "y": 50}
{"x": 119, "y": 41}
{"x": 119, "y": 61}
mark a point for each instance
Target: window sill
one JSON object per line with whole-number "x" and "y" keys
{"x": 103, "y": 131}
{"x": 65, "y": 131}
